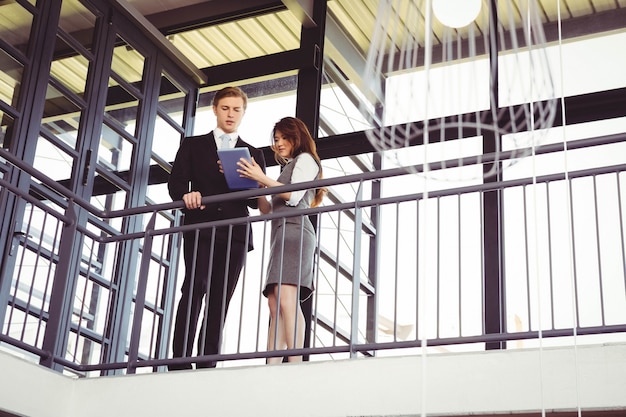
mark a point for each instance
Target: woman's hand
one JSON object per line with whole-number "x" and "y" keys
{"x": 250, "y": 169}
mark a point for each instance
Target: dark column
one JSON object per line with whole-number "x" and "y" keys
{"x": 308, "y": 101}
{"x": 494, "y": 299}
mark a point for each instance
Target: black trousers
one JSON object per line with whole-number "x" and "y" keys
{"x": 211, "y": 270}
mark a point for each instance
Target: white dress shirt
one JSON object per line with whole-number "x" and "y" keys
{"x": 306, "y": 169}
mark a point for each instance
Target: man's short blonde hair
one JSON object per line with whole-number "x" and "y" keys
{"x": 231, "y": 92}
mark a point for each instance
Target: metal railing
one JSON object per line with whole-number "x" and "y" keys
{"x": 86, "y": 297}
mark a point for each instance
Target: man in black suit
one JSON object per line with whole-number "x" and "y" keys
{"x": 214, "y": 257}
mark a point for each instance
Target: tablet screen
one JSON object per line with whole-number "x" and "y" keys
{"x": 229, "y": 158}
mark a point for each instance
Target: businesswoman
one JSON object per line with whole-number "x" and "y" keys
{"x": 290, "y": 270}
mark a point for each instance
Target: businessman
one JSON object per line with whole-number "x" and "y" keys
{"x": 213, "y": 257}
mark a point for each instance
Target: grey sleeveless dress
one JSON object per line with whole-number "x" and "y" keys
{"x": 292, "y": 242}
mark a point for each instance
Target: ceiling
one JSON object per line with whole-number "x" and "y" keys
{"x": 215, "y": 35}
{"x": 227, "y": 31}
{"x": 210, "y": 39}
{"x": 204, "y": 35}
{"x": 216, "y": 32}
{"x": 249, "y": 40}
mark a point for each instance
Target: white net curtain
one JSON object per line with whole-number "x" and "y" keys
{"x": 467, "y": 81}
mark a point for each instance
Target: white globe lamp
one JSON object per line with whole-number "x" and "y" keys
{"x": 456, "y": 13}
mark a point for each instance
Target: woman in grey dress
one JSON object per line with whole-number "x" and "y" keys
{"x": 290, "y": 269}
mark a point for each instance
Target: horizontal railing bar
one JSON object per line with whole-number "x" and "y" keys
{"x": 368, "y": 203}
{"x": 365, "y": 176}
{"x": 382, "y": 201}
{"x": 358, "y": 348}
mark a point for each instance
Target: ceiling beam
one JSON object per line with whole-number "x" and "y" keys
{"x": 261, "y": 89}
{"x": 208, "y": 13}
{"x": 263, "y": 67}
{"x": 303, "y": 11}
{"x": 587, "y": 25}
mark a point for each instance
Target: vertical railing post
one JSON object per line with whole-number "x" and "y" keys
{"x": 356, "y": 271}
{"x": 62, "y": 294}
{"x": 494, "y": 312}
{"x": 371, "y": 332}
{"x": 140, "y": 297}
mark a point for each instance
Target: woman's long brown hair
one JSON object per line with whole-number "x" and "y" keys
{"x": 296, "y": 132}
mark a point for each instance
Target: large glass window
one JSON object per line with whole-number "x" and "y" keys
{"x": 71, "y": 71}
{"x": 118, "y": 137}
{"x": 54, "y": 160}
{"x": 128, "y": 63}
{"x": 15, "y": 25}
{"x": 171, "y": 100}
{"x": 116, "y": 150}
{"x": 6, "y": 128}
{"x": 78, "y": 21}
{"x": 166, "y": 139}
{"x": 11, "y": 73}
{"x": 68, "y": 139}
{"x": 122, "y": 104}
{"x": 55, "y": 149}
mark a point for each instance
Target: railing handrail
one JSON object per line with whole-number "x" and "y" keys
{"x": 248, "y": 194}
{"x": 320, "y": 183}
{"x": 355, "y": 344}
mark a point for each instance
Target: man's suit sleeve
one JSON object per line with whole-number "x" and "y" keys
{"x": 178, "y": 182}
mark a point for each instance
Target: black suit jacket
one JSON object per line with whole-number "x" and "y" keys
{"x": 195, "y": 169}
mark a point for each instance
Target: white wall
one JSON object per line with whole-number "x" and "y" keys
{"x": 33, "y": 391}
{"x": 590, "y": 377}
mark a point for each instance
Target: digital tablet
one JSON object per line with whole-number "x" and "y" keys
{"x": 229, "y": 158}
